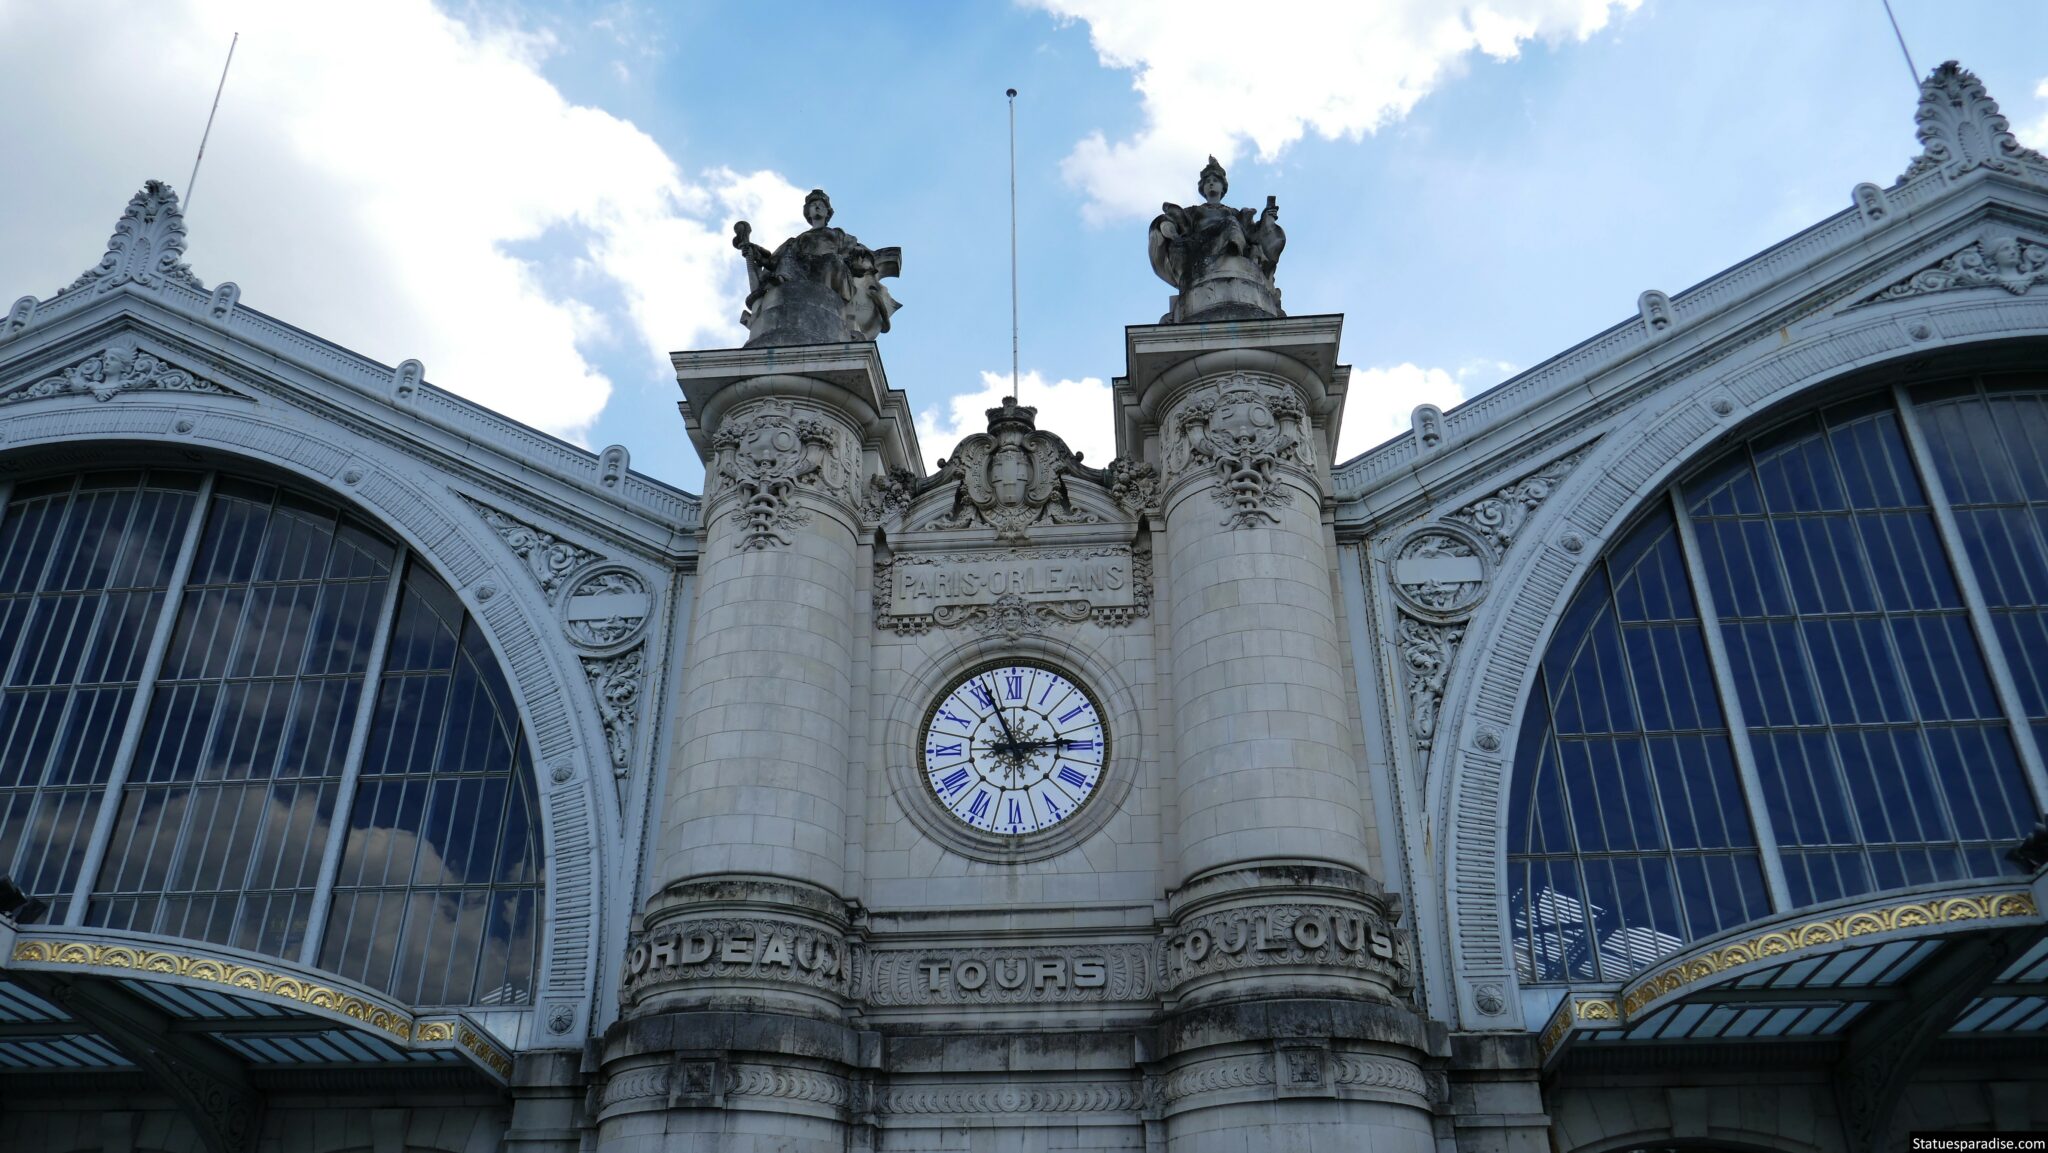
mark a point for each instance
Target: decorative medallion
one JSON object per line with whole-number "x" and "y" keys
{"x": 765, "y": 451}
{"x": 1440, "y": 571}
{"x": 1242, "y": 429}
{"x": 1011, "y": 477}
{"x": 606, "y": 609}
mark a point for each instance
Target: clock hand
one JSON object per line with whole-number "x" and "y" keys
{"x": 1010, "y": 737}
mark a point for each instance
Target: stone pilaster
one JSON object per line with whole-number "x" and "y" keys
{"x": 1283, "y": 973}
{"x": 737, "y": 983}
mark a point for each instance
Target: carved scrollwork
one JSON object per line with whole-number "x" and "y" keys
{"x": 1960, "y": 128}
{"x": 1241, "y": 429}
{"x": 1426, "y": 653}
{"x": 953, "y": 1098}
{"x": 767, "y": 451}
{"x": 615, "y": 682}
{"x": 549, "y": 559}
{"x": 1011, "y": 477}
{"x": 1498, "y": 519}
{"x": 1995, "y": 258}
{"x": 121, "y": 367}
{"x": 145, "y": 248}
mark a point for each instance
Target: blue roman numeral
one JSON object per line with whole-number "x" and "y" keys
{"x": 954, "y": 782}
{"x": 1013, "y": 686}
{"x": 1072, "y": 776}
{"x": 1084, "y": 746}
{"x": 1016, "y": 814}
{"x": 963, "y": 722}
{"x": 979, "y": 807}
{"x": 1076, "y": 711}
{"x": 952, "y": 750}
{"x": 981, "y": 696}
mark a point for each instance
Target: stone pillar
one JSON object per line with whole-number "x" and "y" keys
{"x": 737, "y": 985}
{"x": 1284, "y": 977}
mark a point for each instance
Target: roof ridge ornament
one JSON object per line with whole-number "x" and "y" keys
{"x": 146, "y": 247}
{"x": 1961, "y": 129}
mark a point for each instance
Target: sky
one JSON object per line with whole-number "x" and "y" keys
{"x": 535, "y": 199}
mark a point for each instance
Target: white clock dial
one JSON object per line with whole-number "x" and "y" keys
{"x": 1014, "y": 747}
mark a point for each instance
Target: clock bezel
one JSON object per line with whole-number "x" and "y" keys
{"x": 954, "y": 683}
{"x": 931, "y": 682}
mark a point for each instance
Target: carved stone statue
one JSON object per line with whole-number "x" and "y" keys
{"x": 822, "y": 286}
{"x": 1221, "y": 259}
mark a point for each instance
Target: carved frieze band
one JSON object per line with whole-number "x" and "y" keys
{"x": 767, "y": 451}
{"x": 1019, "y": 976}
{"x": 118, "y": 368}
{"x": 1996, "y": 258}
{"x": 1094, "y": 1097}
{"x": 1013, "y": 592}
{"x": 727, "y": 948}
{"x": 1240, "y": 430}
{"x": 1284, "y": 935}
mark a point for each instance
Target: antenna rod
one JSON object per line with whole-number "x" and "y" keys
{"x": 189, "y": 184}
{"x": 1903, "y": 51}
{"x": 1012, "y": 94}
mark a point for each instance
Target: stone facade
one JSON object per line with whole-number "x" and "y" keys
{"x": 1277, "y": 922}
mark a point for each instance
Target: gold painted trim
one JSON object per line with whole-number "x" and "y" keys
{"x": 485, "y": 1051}
{"x": 1815, "y": 934}
{"x": 237, "y": 977}
{"x": 1570, "y": 1012}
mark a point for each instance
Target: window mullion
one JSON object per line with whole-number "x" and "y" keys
{"x": 352, "y": 764}
{"x": 1731, "y": 707}
{"x": 1979, "y": 611}
{"x": 138, "y": 709}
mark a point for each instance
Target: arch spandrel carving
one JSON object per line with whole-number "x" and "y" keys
{"x": 578, "y": 829}
{"x": 1634, "y": 460}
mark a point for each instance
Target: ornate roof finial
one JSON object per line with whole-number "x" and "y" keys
{"x": 1961, "y": 129}
{"x": 146, "y": 247}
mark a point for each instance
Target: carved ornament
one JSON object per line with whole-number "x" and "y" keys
{"x": 121, "y": 367}
{"x": 549, "y": 559}
{"x": 2000, "y": 259}
{"x": 145, "y": 248}
{"x": 1011, "y": 1097}
{"x": 1292, "y": 934}
{"x": 888, "y": 495}
{"x": 1241, "y": 429}
{"x": 1011, "y": 477}
{"x": 766, "y": 451}
{"x": 615, "y": 682}
{"x": 759, "y": 949}
{"x": 1426, "y": 650}
{"x": 1960, "y": 128}
{"x": 1498, "y": 519}
{"x": 1009, "y": 976}
{"x": 606, "y": 609}
{"x": 1440, "y": 572}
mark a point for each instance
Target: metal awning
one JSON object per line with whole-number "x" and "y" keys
{"x": 67, "y": 996}
{"x": 1816, "y": 974}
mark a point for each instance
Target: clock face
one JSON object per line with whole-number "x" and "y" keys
{"x": 1014, "y": 747}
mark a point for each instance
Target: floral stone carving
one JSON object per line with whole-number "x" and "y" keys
{"x": 766, "y": 451}
{"x": 1498, "y": 519}
{"x": 615, "y": 682}
{"x": 1426, "y": 654}
{"x": 145, "y": 248}
{"x": 549, "y": 560}
{"x": 122, "y": 367}
{"x": 1242, "y": 430}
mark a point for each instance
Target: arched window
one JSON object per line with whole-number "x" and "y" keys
{"x": 236, "y": 713}
{"x": 1812, "y": 670}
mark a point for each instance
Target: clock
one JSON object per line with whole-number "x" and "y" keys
{"x": 1014, "y": 747}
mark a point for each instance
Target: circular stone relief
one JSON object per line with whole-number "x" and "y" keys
{"x": 1440, "y": 572}
{"x": 606, "y": 608}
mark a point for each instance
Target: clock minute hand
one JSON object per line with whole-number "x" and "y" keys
{"x": 1009, "y": 738}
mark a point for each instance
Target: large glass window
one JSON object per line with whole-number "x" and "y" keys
{"x": 1878, "y": 751}
{"x": 311, "y": 682}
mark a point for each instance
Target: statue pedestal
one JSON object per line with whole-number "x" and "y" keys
{"x": 1224, "y": 298}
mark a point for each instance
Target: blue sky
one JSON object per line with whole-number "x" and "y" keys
{"x": 535, "y": 199}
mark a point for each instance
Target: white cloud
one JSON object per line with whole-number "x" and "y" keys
{"x": 1215, "y": 77}
{"x": 1380, "y": 401}
{"x": 1078, "y": 411}
{"x": 383, "y": 174}
{"x": 2035, "y": 135}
